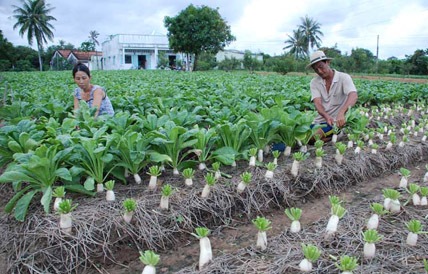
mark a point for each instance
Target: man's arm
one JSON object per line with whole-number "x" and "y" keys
{"x": 322, "y": 112}
{"x": 350, "y": 101}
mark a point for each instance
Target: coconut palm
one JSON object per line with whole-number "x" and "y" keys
{"x": 296, "y": 44}
{"x": 311, "y": 33}
{"x": 33, "y": 18}
{"x": 93, "y": 35}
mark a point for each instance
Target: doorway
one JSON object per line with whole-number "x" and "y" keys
{"x": 142, "y": 61}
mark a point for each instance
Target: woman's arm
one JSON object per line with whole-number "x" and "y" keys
{"x": 76, "y": 103}
{"x": 98, "y": 98}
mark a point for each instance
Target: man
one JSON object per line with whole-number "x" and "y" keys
{"x": 333, "y": 93}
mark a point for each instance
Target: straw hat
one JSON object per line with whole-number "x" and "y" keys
{"x": 318, "y": 56}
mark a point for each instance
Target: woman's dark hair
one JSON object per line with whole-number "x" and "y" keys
{"x": 81, "y": 67}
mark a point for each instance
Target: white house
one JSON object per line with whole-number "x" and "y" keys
{"x": 136, "y": 51}
{"x": 237, "y": 54}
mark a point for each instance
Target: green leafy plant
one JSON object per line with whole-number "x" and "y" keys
{"x": 109, "y": 185}
{"x": 149, "y": 258}
{"x": 371, "y": 236}
{"x": 66, "y": 206}
{"x": 129, "y": 204}
{"x": 311, "y": 252}
{"x": 234, "y": 136}
{"x": 262, "y": 223}
{"x": 347, "y": 263}
{"x": 132, "y": 151}
{"x": 93, "y": 155}
{"x": 37, "y": 172}
{"x": 173, "y": 141}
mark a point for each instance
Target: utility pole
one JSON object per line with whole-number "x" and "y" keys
{"x": 377, "y": 53}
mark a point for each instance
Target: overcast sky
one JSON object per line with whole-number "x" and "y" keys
{"x": 258, "y": 25}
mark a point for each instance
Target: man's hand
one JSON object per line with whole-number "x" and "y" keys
{"x": 329, "y": 120}
{"x": 340, "y": 120}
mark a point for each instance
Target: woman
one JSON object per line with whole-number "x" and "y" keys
{"x": 95, "y": 96}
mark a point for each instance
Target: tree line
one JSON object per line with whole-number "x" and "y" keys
{"x": 201, "y": 32}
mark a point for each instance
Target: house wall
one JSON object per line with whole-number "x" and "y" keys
{"x": 134, "y": 51}
{"x": 239, "y": 55}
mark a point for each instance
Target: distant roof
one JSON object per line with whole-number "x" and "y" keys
{"x": 80, "y": 55}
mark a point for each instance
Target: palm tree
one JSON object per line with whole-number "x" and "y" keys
{"x": 93, "y": 35}
{"x": 33, "y": 18}
{"x": 311, "y": 33}
{"x": 296, "y": 44}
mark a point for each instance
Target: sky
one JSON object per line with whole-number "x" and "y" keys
{"x": 258, "y": 25}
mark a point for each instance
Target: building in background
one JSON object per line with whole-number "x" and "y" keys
{"x": 62, "y": 57}
{"x": 136, "y": 51}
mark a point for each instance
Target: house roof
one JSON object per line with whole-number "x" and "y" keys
{"x": 64, "y": 52}
{"x": 86, "y": 55}
{"x": 79, "y": 55}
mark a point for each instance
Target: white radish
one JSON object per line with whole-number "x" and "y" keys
{"x": 188, "y": 181}
{"x": 252, "y": 161}
{"x": 403, "y": 182}
{"x": 100, "y": 188}
{"x": 295, "y": 226}
{"x": 395, "y": 206}
{"x": 127, "y": 216}
{"x": 262, "y": 240}
{"x": 202, "y": 166}
{"x": 387, "y": 203}
{"x": 412, "y": 239}
{"x": 137, "y": 178}
{"x": 373, "y": 221}
{"x": 110, "y": 196}
{"x": 332, "y": 224}
{"x": 416, "y": 199}
{"x": 65, "y": 222}
{"x": 175, "y": 171}
{"x": 206, "y": 191}
{"x": 149, "y": 269}
{"x": 217, "y": 174}
{"x": 339, "y": 158}
{"x": 287, "y": 151}
{"x": 260, "y": 155}
{"x": 153, "y": 182}
{"x": 357, "y": 150}
{"x": 305, "y": 265}
{"x": 303, "y": 149}
{"x": 318, "y": 162}
{"x": 205, "y": 253}
{"x": 57, "y": 201}
{"x": 369, "y": 250}
{"x": 295, "y": 168}
{"x": 241, "y": 187}
{"x": 269, "y": 174}
{"x": 164, "y": 202}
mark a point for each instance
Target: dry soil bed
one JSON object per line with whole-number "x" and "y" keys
{"x": 227, "y": 241}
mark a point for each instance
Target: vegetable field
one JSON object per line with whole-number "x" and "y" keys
{"x": 188, "y": 156}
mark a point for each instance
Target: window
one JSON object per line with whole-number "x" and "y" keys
{"x": 128, "y": 59}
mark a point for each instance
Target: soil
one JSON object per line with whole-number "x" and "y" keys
{"x": 231, "y": 238}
